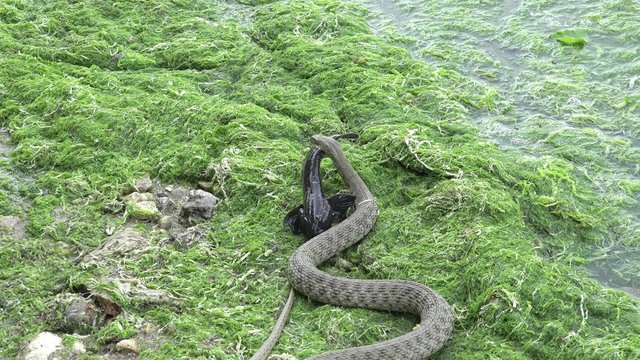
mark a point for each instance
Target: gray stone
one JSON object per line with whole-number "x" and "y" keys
{"x": 12, "y": 226}
{"x": 189, "y": 236}
{"x": 8, "y": 222}
{"x": 135, "y": 290}
{"x": 144, "y": 184}
{"x": 79, "y": 314}
{"x": 165, "y": 223}
{"x": 163, "y": 203}
{"x": 206, "y": 185}
{"x": 121, "y": 243}
{"x": 199, "y": 206}
{"x": 141, "y": 185}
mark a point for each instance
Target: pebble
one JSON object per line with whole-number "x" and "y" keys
{"x": 128, "y": 345}
{"x": 144, "y": 184}
{"x": 165, "y": 223}
{"x": 78, "y": 348}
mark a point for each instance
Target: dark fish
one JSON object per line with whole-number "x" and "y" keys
{"x": 317, "y": 213}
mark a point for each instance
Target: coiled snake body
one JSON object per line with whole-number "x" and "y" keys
{"x": 436, "y": 317}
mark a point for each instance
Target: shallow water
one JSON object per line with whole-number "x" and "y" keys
{"x": 582, "y": 105}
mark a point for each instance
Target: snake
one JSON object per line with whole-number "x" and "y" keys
{"x": 436, "y": 315}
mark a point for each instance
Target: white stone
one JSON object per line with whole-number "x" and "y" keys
{"x": 78, "y": 348}
{"x": 42, "y": 346}
{"x": 128, "y": 345}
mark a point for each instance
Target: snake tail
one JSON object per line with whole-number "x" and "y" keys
{"x": 271, "y": 341}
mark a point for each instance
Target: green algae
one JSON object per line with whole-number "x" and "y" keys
{"x": 553, "y": 101}
{"x": 228, "y": 93}
{"x": 575, "y": 38}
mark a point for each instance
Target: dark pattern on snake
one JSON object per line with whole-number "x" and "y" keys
{"x": 436, "y": 317}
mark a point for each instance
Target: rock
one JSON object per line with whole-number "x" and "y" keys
{"x": 8, "y": 223}
{"x": 141, "y": 185}
{"x": 344, "y": 264}
{"x": 165, "y": 223}
{"x": 78, "y": 348}
{"x": 284, "y": 357}
{"x": 206, "y": 185}
{"x": 128, "y": 345}
{"x": 12, "y": 226}
{"x": 145, "y": 210}
{"x": 199, "y": 206}
{"x": 122, "y": 242}
{"x": 136, "y": 197}
{"x": 144, "y": 184}
{"x": 163, "y": 202}
{"x": 170, "y": 328}
{"x": 135, "y": 290}
{"x": 113, "y": 206}
{"x": 148, "y": 328}
{"x": 189, "y": 236}
{"x": 142, "y": 206}
{"x": 41, "y": 347}
{"x": 80, "y": 315}
{"x": 109, "y": 307}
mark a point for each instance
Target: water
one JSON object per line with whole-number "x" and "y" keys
{"x": 579, "y": 104}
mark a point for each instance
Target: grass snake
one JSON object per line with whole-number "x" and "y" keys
{"x": 436, "y": 316}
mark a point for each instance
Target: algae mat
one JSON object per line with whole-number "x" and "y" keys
{"x": 95, "y": 94}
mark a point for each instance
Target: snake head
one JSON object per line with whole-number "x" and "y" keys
{"x": 319, "y": 140}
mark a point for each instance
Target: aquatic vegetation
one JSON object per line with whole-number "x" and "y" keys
{"x": 96, "y": 94}
{"x": 553, "y": 101}
{"x": 576, "y": 38}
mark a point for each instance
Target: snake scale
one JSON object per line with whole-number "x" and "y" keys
{"x": 436, "y": 317}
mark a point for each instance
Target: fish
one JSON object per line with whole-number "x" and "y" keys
{"x": 317, "y": 212}
{"x": 313, "y": 217}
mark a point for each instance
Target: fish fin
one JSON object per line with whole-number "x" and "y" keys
{"x": 292, "y": 220}
{"x": 340, "y": 203}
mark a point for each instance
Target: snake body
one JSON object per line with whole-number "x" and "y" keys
{"x": 436, "y": 317}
